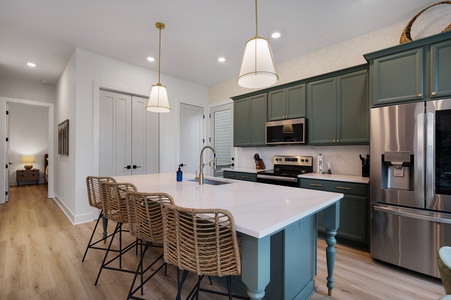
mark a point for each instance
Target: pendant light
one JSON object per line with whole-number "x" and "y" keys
{"x": 158, "y": 99}
{"x": 257, "y": 67}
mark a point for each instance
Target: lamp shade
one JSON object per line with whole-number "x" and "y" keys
{"x": 158, "y": 99}
{"x": 257, "y": 67}
{"x": 28, "y": 160}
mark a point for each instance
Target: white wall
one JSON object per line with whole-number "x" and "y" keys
{"x": 65, "y": 166}
{"x": 26, "y": 89}
{"x": 28, "y": 135}
{"x": 78, "y": 98}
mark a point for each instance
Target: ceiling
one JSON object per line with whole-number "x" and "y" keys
{"x": 197, "y": 32}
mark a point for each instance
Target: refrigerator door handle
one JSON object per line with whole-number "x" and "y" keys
{"x": 414, "y": 213}
{"x": 430, "y": 159}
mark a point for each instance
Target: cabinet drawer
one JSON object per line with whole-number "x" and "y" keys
{"x": 27, "y": 175}
{"x": 335, "y": 186}
{"x": 240, "y": 176}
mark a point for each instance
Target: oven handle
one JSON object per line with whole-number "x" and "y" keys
{"x": 279, "y": 178}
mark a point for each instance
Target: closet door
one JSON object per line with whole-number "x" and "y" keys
{"x": 128, "y": 135}
{"x": 144, "y": 138}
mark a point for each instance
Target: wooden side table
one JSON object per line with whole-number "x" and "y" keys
{"x": 27, "y": 175}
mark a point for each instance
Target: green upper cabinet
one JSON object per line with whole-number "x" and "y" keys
{"x": 322, "y": 104}
{"x": 287, "y": 103}
{"x": 398, "y": 77}
{"x": 414, "y": 71}
{"x": 441, "y": 69}
{"x": 353, "y": 108}
{"x": 249, "y": 121}
{"x": 339, "y": 110}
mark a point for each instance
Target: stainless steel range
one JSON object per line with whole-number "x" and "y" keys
{"x": 286, "y": 170}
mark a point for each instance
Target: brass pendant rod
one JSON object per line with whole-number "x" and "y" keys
{"x": 160, "y": 26}
{"x": 256, "y": 19}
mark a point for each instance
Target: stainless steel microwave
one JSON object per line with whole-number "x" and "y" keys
{"x": 286, "y": 132}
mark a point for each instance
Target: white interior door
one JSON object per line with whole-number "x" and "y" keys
{"x": 145, "y": 158}
{"x": 7, "y": 145}
{"x": 221, "y": 136}
{"x": 191, "y": 136}
{"x": 128, "y": 135}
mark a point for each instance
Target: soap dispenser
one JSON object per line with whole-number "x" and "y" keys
{"x": 180, "y": 173}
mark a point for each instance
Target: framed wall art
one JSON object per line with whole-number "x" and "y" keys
{"x": 63, "y": 137}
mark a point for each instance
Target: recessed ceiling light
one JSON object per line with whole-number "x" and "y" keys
{"x": 221, "y": 59}
{"x": 31, "y": 64}
{"x": 151, "y": 59}
{"x": 275, "y": 35}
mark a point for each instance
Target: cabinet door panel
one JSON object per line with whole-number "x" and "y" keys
{"x": 441, "y": 69}
{"x": 398, "y": 77}
{"x": 296, "y": 101}
{"x": 241, "y": 124}
{"x": 353, "y": 108}
{"x": 322, "y": 105}
{"x": 353, "y": 218}
{"x": 276, "y": 105}
{"x": 258, "y": 120}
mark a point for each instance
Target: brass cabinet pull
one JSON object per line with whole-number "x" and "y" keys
{"x": 434, "y": 93}
{"x": 244, "y": 176}
{"x": 343, "y": 188}
{"x": 315, "y": 184}
{"x": 420, "y": 95}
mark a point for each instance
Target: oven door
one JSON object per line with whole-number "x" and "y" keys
{"x": 278, "y": 180}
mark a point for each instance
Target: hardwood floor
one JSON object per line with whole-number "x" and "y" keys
{"x": 41, "y": 252}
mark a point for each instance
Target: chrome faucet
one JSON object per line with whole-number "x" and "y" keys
{"x": 202, "y": 165}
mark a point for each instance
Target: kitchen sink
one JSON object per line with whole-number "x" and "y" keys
{"x": 212, "y": 182}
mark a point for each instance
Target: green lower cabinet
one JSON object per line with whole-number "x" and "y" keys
{"x": 354, "y": 208}
{"x": 240, "y": 175}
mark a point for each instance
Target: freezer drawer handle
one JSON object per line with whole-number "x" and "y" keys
{"x": 343, "y": 188}
{"x": 416, "y": 214}
{"x": 315, "y": 184}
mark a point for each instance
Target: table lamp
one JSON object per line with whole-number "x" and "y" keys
{"x": 28, "y": 160}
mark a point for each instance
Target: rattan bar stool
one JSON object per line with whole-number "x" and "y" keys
{"x": 93, "y": 186}
{"x": 202, "y": 241}
{"x": 146, "y": 223}
{"x": 114, "y": 205}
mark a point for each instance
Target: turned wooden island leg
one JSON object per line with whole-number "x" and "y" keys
{"x": 332, "y": 222}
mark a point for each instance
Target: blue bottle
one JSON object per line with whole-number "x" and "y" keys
{"x": 180, "y": 173}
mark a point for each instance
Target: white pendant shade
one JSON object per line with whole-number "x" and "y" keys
{"x": 158, "y": 100}
{"x": 257, "y": 68}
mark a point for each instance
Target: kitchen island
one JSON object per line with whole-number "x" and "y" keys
{"x": 269, "y": 218}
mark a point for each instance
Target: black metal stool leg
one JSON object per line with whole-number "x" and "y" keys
{"x": 118, "y": 228}
{"x": 92, "y": 235}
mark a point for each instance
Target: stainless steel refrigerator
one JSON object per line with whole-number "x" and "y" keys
{"x": 410, "y": 181}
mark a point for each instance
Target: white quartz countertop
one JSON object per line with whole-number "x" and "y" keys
{"x": 258, "y": 209}
{"x": 346, "y": 178}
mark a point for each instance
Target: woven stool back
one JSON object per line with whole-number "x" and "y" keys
{"x": 203, "y": 241}
{"x": 145, "y": 215}
{"x": 114, "y": 202}
{"x": 93, "y": 185}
